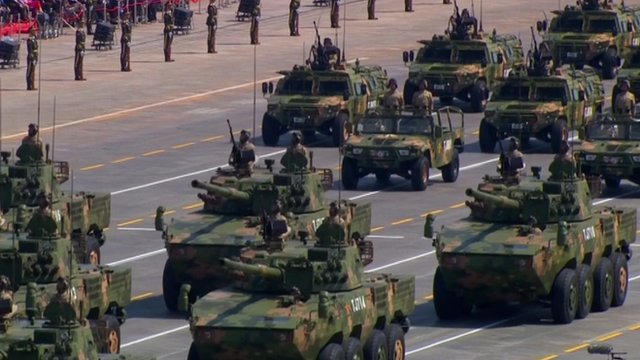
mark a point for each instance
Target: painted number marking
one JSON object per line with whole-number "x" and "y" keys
{"x": 316, "y": 223}
{"x": 371, "y": 104}
{"x": 447, "y": 145}
{"x": 588, "y": 111}
{"x": 358, "y": 304}
{"x": 589, "y": 233}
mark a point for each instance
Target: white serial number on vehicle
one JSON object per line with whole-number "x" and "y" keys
{"x": 358, "y": 303}
{"x": 589, "y": 233}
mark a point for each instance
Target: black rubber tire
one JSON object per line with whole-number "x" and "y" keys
{"x": 332, "y": 351}
{"x": 395, "y": 341}
{"x": 557, "y": 134}
{"x": 487, "y": 137}
{"x": 383, "y": 176}
{"x": 612, "y": 182}
{"x": 603, "y": 285}
{"x": 408, "y": 91}
{"x": 193, "y": 353}
{"x": 420, "y": 174}
{"x": 608, "y": 61}
{"x": 353, "y": 349}
{"x": 585, "y": 291}
{"x": 620, "y": 279}
{"x": 564, "y": 297}
{"x": 271, "y": 130}
{"x": 338, "y": 133}
{"x": 113, "y": 340}
{"x": 92, "y": 251}
{"x": 451, "y": 170}
{"x": 170, "y": 287}
{"x": 376, "y": 347}
{"x": 478, "y": 96}
{"x": 444, "y": 301}
{"x": 349, "y": 173}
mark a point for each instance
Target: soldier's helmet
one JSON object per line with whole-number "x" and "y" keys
{"x": 62, "y": 285}
{"x": 564, "y": 147}
{"x": 424, "y": 84}
{"x": 296, "y": 137}
{"x": 333, "y": 209}
{"x": 327, "y": 42}
{"x": 392, "y": 82}
{"x": 277, "y": 207}
{"x": 5, "y": 283}
{"x": 245, "y": 135}
{"x": 514, "y": 143}
{"x": 32, "y": 130}
{"x": 625, "y": 84}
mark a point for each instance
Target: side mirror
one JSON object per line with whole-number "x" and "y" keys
{"x": 428, "y": 226}
{"x": 411, "y": 55}
{"x": 565, "y": 101}
{"x": 265, "y": 88}
{"x": 544, "y": 25}
{"x": 363, "y": 89}
{"x": 270, "y": 88}
{"x": 582, "y": 95}
{"x": 629, "y": 26}
{"x": 539, "y": 26}
{"x": 346, "y": 95}
{"x": 500, "y": 58}
{"x": 405, "y": 56}
{"x": 563, "y": 233}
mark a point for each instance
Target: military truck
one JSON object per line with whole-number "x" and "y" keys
{"x": 592, "y": 34}
{"x": 407, "y": 143}
{"x": 465, "y": 64}
{"x": 547, "y": 107}
{"x": 542, "y": 240}
{"x": 328, "y": 101}
{"x": 610, "y": 151}
{"x": 318, "y": 305}
{"x": 234, "y": 216}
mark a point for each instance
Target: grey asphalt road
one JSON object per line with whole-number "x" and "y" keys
{"x": 144, "y": 135}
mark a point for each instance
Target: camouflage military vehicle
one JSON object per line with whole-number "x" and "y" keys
{"x": 328, "y": 101}
{"x": 405, "y": 143}
{"x": 464, "y": 65}
{"x": 318, "y": 305}
{"x": 233, "y": 217}
{"x": 542, "y": 240}
{"x": 610, "y": 151}
{"x": 592, "y": 34}
{"x": 526, "y": 105}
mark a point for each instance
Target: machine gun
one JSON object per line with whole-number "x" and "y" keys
{"x": 236, "y": 154}
{"x": 320, "y": 58}
{"x": 460, "y": 24}
{"x": 537, "y": 58}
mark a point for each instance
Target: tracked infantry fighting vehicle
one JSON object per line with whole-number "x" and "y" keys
{"x": 232, "y": 218}
{"x": 610, "y": 151}
{"x": 319, "y": 305}
{"x": 537, "y": 242}
{"x": 465, "y": 64}
{"x": 592, "y": 34}
{"x": 406, "y": 143}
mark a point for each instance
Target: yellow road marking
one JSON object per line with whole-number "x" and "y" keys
{"x": 576, "y": 348}
{"x": 153, "y": 152}
{"x": 429, "y": 297}
{"x": 634, "y": 327}
{"x": 213, "y": 138}
{"x": 549, "y": 357}
{"x": 92, "y": 167}
{"x": 167, "y": 212}
{"x": 610, "y": 336}
{"x": 192, "y": 206}
{"x": 337, "y": 168}
{"x": 142, "y": 296}
{"x": 403, "y": 221}
{"x": 121, "y": 160}
{"x": 458, "y": 205}
{"x": 105, "y": 229}
{"x": 434, "y": 212}
{"x": 182, "y": 145}
{"x": 377, "y": 228}
{"x": 476, "y": 132}
{"x": 134, "y": 221}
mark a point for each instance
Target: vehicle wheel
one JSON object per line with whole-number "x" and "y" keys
{"x": 349, "y": 173}
{"x": 376, "y": 346}
{"x": 383, "y": 176}
{"x": 487, "y": 137}
{"x": 609, "y": 64}
{"x": 420, "y": 174}
{"x": 478, "y": 98}
{"x": 585, "y": 291}
{"x": 339, "y": 131}
{"x": 332, "y": 351}
{"x": 620, "y": 279}
{"x": 444, "y": 300}
{"x": 612, "y": 182}
{"x": 193, "y": 353}
{"x": 270, "y": 130}
{"x": 603, "y": 285}
{"x": 408, "y": 91}
{"x": 92, "y": 255}
{"x": 451, "y": 170}
{"x": 112, "y": 340}
{"x": 353, "y": 349}
{"x": 395, "y": 341}
{"x": 170, "y": 287}
{"x": 564, "y": 297}
{"x": 558, "y": 131}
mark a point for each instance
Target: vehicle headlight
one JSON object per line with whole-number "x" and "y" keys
{"x": 403, "y": 152}
{"x": 356, "y": 151}
{"x": 636, "y": 158}
{"x": 590, "y": 157}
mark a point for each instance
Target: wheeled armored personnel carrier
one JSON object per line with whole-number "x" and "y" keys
{"x": 593, "y": 34}
{"x": 407, "y": 143}
{"x": 317, "y": 305}
{"x": 539, "y": 241}
{"x": 233, "y": 217}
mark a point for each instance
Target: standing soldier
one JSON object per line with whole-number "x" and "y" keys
{"x": 168, "y": 32}
{"x": 125, "y": 44}
{"x": 91, "y": 15}
{"x": 212, "y": 26}
{"x": 243, "y": 155}
{"x": 423, "y": 99}
{"x": 335, "y": 14}
{"x": 393, "y": 98}
{"x": 625, "y": 102}
{"x": 255, "y": 20}
{"x": 371, "y": 9}
{"x": 408, "y": 5}
{"x": 77, "y": 64}
{"x": 32, "y": 59}
{"x": 293, "y": 17}
{"x": 295, "y": 158}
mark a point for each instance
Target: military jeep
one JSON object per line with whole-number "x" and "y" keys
{"x": 405, "y": 143}
{"x": 542, "y": 106}
{"x": 592, "y": 34}
{"x": 464, "y": 68}
{"x": 327, "y": 101}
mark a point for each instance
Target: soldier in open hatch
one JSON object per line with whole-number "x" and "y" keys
{"x": 512, "y": 162}
{"x": 393, "y": 98}
{"x": 295, "y": 158}
{"x": 243, "y": 155}
{"x": 563, "y": 165}
{"x": 278, "y": 228}
{"x": 423, "y": 99}
{"x": 625, "y": 101}
{"x": 31, "y": 147}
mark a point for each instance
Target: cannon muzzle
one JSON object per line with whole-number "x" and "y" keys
{"x": 222, "y": 191}
{"x": 496, "y": 200}
{"x": 257, "y": 270}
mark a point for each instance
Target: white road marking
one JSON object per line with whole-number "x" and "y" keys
{"x": 385, "y": 236}
{"x": 400, "y": 262}
{"x": 615, "y": 197}
{"x": 635, "y": 245}
{"x": 138, "y": 257}
{"x": 151, "y": 337}
{"x": 135, "y": 229}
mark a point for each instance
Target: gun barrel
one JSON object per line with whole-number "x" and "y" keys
{"x": 222, "y": 191}
{"x": 497, "y": 200}
{"x": 257, "y": 270}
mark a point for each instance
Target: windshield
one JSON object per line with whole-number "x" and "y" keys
{"x": 513, "y": 91}
{"x": 600, "y": 25}
{"x": 419, "y": 126}
{"x": 296, "y": 86}
{"x": 567, "y": 23}
{"x": 607, "y": 131}
{"x": 328, "y": 87}
{"x": 470, "y": 56}
{"x": 377, "y": 126}
{"x": 435, "y": 54}
{"x": 549, "y": 93}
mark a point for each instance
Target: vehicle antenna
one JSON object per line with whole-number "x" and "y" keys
{"x": 53, "y": 142}
{"x": 480, "y": 16}
{"x": 473, "y": 10}
{"x": 39, "y": 84}
{"x": 344, "y": 34}
{"x": 303, "y": 51}
{"x": 0, "y": 118}
{"x": 255, "y": 82}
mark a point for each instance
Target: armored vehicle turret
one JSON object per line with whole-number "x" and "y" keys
{"x": 536, "y": 241}
{"x": 275, "y": 302}
{"x": 239, "y": 213}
